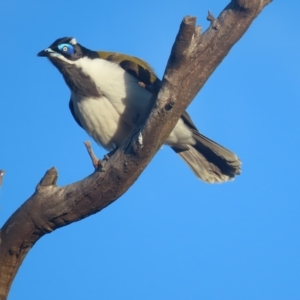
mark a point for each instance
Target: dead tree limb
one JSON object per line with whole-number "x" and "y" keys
{"x": 193, "y": 58}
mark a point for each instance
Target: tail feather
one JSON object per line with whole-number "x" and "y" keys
{"x": 210, "y": 161}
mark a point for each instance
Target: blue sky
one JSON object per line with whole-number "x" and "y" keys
{"x": 170, "y": 236}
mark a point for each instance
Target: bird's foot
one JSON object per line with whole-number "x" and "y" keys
{"x": 100, "y": 165}
{"x": 109, "y": 154}
{"x": 105, "y": 159}
{"x": 97, "y": 163}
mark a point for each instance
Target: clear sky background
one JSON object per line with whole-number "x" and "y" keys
{"x": 170, "y": 236}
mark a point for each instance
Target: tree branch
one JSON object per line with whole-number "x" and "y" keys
{"x": 193, "y": 59}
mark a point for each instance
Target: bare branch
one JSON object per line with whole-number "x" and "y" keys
{"x": 193, "y": 59}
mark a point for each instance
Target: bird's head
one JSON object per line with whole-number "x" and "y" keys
{"x": 66, "y": 54}
{"x": 66, "y": 49}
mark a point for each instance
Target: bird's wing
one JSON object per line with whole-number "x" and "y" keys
{"x": 73, "y": 112}
{"x": 136, "y": 67}
{"x": 144, "y": 73}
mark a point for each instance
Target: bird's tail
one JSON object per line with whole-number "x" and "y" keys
{"x": 210, "y": 161}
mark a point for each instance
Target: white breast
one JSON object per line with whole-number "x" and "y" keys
{"x": 100, "y": 120}
{"x": 109, "y": 118}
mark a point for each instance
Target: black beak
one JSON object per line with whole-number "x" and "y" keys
{"x": 45, "y": 53}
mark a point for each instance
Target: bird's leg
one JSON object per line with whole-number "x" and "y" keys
{"x": 98, "y": 163}
{"x": 109, "y": 154}
{"x": 105, "y": 158}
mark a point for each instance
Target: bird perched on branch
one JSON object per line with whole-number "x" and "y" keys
{"x": 108, "y": 91}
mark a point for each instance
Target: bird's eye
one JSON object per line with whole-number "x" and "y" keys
{"x": 66, "y": 48}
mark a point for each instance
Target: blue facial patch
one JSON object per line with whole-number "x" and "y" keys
{"x": 66, "y": 48}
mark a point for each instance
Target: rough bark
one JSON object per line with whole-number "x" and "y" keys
{"x": 193, "y": 58}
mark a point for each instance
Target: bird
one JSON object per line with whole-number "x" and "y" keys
{"x": 109, "y": 89}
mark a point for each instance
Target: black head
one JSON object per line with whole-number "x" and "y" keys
{"x": 64, "y": 54}
{"x": 67, "y": 49}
